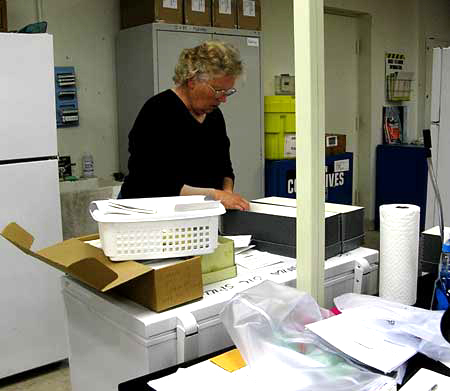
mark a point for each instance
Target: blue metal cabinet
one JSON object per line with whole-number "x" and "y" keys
{"x": 401, "y": 177}
{"x": 280, "y": 178}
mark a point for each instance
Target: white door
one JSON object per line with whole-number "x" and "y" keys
{"x": 170, "y": 45}
{"x": 341, "y": 82}
{"x": 27, "y": 96}
{"x": 32, "y": 324}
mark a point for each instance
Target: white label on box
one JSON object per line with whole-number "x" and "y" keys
{"x": 198, "y": 5}
{"x": 248, "y": 8}
{"x": 253, "y": 42}
{"x": 342, "y": 165}
{"x": 289, "y": 145}
{"x": 331, "y": 141}
{"x": 225, "y": 7}
{"x": 170, "y": 4}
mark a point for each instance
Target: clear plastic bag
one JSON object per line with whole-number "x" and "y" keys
{"x": 267, "y": 324}
{"x": 400, "y": 323}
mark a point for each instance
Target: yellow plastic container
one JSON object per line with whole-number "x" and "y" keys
{"x": 279, "y": 127}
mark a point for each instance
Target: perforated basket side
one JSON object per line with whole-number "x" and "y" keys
{"x": 159, "y": 239}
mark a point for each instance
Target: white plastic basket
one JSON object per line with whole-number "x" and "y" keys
{"x": 154, "y": 228}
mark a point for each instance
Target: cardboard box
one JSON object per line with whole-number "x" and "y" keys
{"x": 273, "y": 228}
{"x": 197, "y": 12}
{"x": 220, "y": 265}
{"x": 224, "y": 13}
{"x": 157, "y": 289}
{"x": 249, "y": 14}
{"x": 137, "y": 12}
{"x": 219, "y": 275}
{"x": 221, "y": 258}
{"x": 335, "y": 144}
{"x": 3, "y": 16}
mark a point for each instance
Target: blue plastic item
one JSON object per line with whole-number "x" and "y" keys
{"x": 442, "y": 292}
{"x": 446, "y": 247}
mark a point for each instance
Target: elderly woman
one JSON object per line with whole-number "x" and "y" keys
{"x": 178, "y": 144}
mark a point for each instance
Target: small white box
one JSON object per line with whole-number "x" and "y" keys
{"x": 153, "y": 228}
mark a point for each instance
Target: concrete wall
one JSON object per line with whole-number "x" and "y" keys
{"x": 84, "y": 33}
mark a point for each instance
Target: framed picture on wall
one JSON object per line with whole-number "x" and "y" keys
{"x": 394, "y": 124}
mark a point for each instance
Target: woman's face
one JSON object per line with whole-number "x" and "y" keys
{"x": 205, "y": 96}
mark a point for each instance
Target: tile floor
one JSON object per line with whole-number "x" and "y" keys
{"x": 55, "y": 377}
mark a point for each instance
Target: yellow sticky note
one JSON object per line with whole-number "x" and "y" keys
{"x": 230, "y": 361}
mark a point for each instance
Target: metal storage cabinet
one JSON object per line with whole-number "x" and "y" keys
{"x": 146, "y": 59}
{"x": 401, "y": 178}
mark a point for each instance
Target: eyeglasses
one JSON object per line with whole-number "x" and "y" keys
{"x": 221, "y": 93}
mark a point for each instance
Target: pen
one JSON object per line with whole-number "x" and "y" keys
{"x": 434, "y": 388}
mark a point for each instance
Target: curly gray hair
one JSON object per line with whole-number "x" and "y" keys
{"x": 209, "y": 60}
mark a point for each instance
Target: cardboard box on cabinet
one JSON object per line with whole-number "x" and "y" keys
{"x": 156, "y": 289}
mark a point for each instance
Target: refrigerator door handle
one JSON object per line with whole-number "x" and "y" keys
{"x": 187, "y": 337}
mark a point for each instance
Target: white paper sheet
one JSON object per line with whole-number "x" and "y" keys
{"x": 255, "y": 259}
{"x": 206, "y": 376}
{"x": 240, "y": 240}
{"x": 239, "y": 250}
{"x": 425, "y": 379}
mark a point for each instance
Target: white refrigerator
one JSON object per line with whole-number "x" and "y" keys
{"x": 440, "y": 136}
{"x": 32, "y": 318}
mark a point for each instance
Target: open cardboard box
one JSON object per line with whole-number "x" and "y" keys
{"x": 157, "y": 289}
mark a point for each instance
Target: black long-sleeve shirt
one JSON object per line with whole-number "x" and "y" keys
{"x": 170, "y": 148}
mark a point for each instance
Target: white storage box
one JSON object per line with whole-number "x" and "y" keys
{"x": 153, "y": 228}
{"x": 112, "y": 339}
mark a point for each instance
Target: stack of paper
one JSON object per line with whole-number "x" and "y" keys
{"x": 362, "y": 343}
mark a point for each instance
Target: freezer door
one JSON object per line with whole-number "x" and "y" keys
{"x": 32, "y": 323}
{"x": 27, "y": 96}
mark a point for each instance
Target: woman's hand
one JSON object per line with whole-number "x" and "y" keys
{"x": 231, "y": 200}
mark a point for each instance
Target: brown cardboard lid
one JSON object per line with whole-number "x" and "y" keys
{"x": 81, "y": 260}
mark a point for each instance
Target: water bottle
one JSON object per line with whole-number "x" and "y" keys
{"x": 88, "y": 165}
{"x": 443, "y": 288}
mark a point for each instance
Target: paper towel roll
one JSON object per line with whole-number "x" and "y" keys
{"x": 399, "y": 251}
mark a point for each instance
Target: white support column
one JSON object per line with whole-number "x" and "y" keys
{"x": 310, "y": 102}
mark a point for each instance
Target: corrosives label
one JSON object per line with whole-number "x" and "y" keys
{"x": 291, "y": 181}
{"x": 332, "y": 179}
